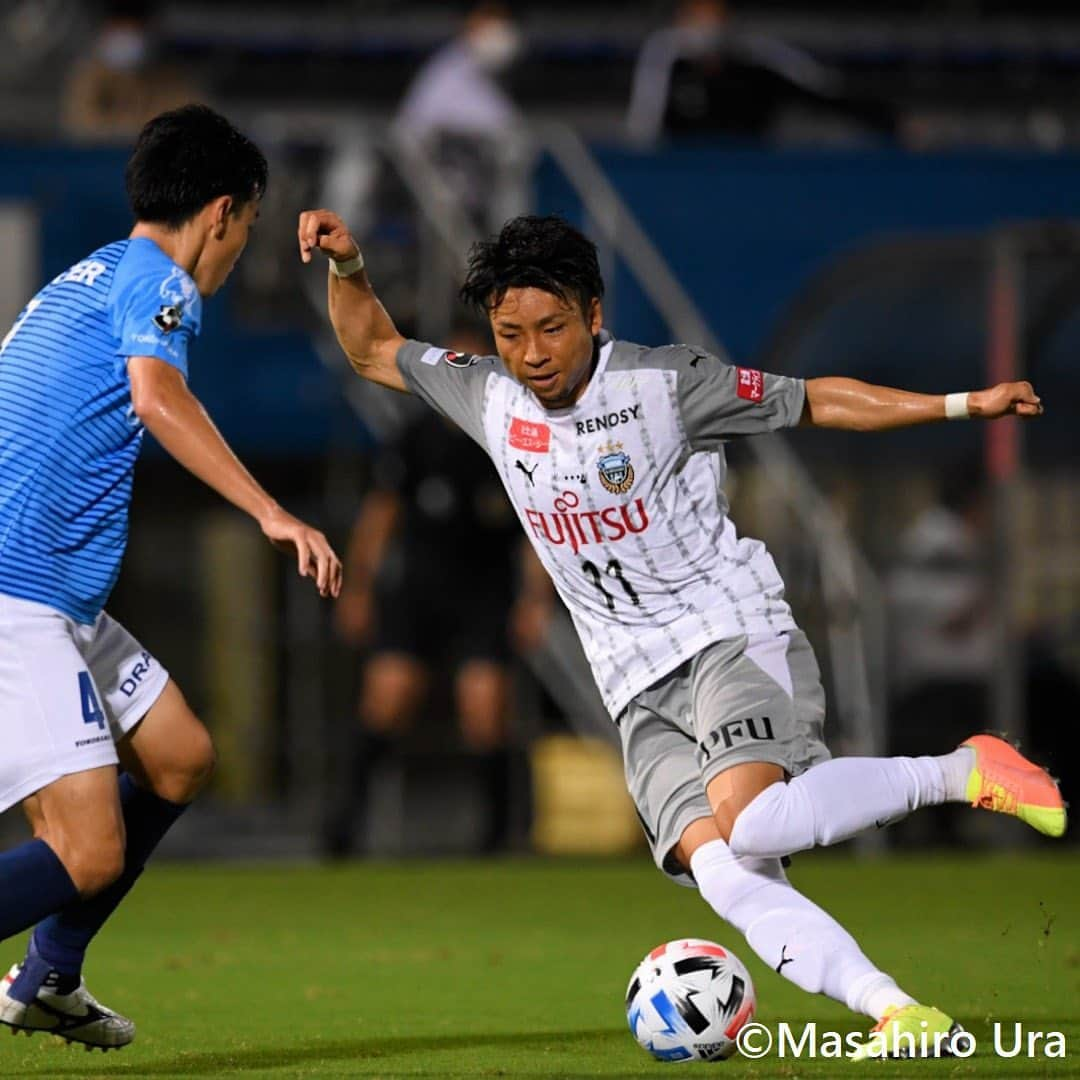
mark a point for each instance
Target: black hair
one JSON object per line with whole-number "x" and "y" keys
{"x": 188, "y": 157}
{"x": 533, "y": 252}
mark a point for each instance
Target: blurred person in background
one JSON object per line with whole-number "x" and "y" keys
{"x": 458, "y": 114}
{"x": 97, "y": 742}
{"x": 941, "y": 624}
{"x": 706, "y": 75}
{"x": 944, "y": 654}
{"x": 124, "y": 79}
{"x": 434, "y": 539}
{"x": 613, "y": 455}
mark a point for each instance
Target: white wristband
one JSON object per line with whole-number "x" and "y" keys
{"x": 347, "y": 267}
{"x": 956, "y": 407}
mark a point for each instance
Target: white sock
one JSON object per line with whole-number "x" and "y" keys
{"x": 837, "y": 799}
{"x": 956, "y": 768}
{"x": 790, "y": 933}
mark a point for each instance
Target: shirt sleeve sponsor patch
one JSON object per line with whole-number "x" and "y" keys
{"x": 169, "y": 317}
{"x": 750, "y": 384}
{"x": 529, "y": 435}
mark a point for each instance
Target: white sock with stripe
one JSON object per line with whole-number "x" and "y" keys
{"x": 789, "y": 932}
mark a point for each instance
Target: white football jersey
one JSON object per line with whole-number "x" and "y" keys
{"x": 622, "y": 495}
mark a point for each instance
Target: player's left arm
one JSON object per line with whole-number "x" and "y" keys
{"x": 176, "y": 418}
{"x": 851, "y": 405}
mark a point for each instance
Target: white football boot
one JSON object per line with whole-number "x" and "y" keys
{"x": 77, "y": 1017}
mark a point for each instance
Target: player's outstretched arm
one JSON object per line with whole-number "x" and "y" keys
{"x": 852, "y": 405}
{"x": 178, "y": 421}
{"x": 365, "y": 331}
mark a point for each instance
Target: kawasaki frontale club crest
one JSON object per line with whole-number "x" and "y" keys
{"x": 616, "y": 472}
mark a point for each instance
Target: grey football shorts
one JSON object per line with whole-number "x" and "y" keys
{"x": 739, "y": 700}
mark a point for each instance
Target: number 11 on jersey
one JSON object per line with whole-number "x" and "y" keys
{"x": 613, "y": 569}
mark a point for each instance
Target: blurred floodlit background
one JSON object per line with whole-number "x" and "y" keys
{"x": 881, "y": 190}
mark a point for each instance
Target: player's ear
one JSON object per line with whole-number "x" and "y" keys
{"x": 595, "y": 316}
{"x": 220, "y": 209}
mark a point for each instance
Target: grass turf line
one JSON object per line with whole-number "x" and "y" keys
{"x": 518, "y": 967}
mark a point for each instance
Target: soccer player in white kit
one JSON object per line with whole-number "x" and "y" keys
{"x": 96, "y": 741}
{"x": 612, "y": 455}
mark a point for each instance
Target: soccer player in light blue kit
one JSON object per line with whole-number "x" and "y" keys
{"x": 96, "y": 741}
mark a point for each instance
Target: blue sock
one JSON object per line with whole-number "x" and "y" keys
{"x": 33, "y": 883}
{"x": 60, "y": 941}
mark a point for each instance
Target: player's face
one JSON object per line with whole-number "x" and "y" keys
{"x": 230, "y": 226}
{"x": 546, "y": 343}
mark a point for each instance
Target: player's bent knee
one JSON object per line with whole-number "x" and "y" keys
{"x": 731, "y": 792}
{"x": 200, "y": 764}
{"x": 185, "y": 770}
{"x": 773, "y": 824}
{"x": 191, "y": 771}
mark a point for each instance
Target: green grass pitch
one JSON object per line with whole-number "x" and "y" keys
{"x": 518, "y": 967}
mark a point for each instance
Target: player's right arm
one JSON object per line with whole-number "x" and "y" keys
{"x": 365, "y": 331}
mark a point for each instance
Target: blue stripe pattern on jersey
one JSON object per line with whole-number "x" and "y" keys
{"x": 68, "y": 434}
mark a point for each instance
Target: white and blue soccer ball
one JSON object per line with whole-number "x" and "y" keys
{"x": 688, "y": 1000}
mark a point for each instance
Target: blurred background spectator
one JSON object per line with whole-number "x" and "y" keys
{"x": 124, "y": 79}
{"x": 706, "y": 75}
{"x": 944, "y": 647}
{"x": 942, "y": 617}
{"x": 458, "y": 113}
{"x": 941, "y": 631}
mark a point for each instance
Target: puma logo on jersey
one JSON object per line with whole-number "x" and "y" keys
{"x": 608, "y": 420}
{"x": 527, "y": 471}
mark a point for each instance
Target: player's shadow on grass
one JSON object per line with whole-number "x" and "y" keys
{"x": 368, "y": 1054}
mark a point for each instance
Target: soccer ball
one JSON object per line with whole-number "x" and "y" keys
{"x": 687, "y": 1001}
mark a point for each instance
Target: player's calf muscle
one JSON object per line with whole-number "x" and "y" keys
{"x": 78, "y": 816}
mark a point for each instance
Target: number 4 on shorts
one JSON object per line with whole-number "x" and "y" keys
{"x": 92, "y": 712}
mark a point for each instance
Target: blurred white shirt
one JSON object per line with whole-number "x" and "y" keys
{"x": 455, "y": 93}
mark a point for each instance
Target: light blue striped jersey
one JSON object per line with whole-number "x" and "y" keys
{"x": 69, "y": 436}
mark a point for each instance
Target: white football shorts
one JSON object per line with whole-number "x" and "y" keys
{"x": 68, "y": 693}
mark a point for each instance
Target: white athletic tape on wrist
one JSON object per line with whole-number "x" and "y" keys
{"x": 956, "y": 407}
{"x": 347, "y": 267}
